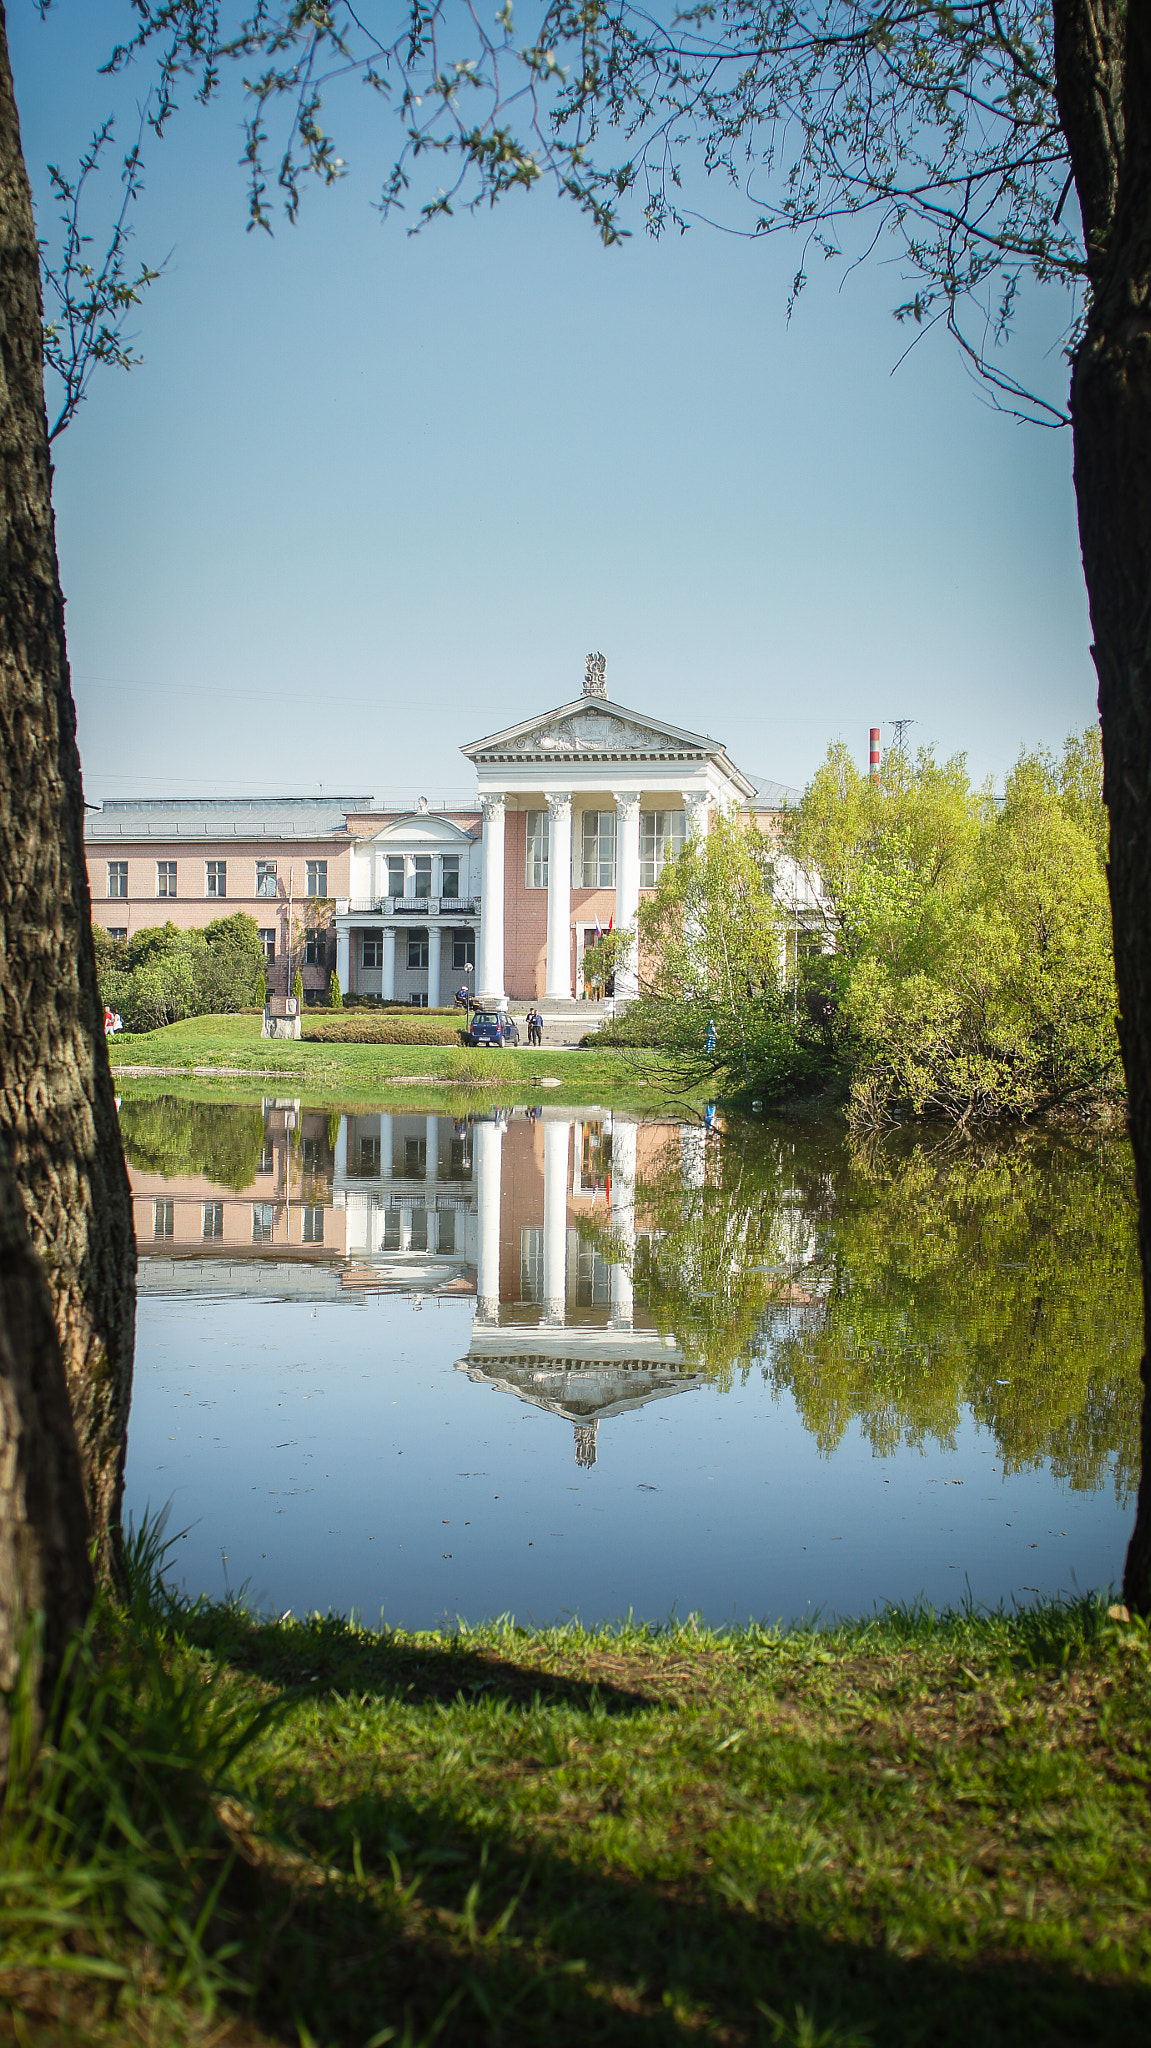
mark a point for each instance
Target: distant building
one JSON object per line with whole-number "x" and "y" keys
{"x": 578, "y": 808}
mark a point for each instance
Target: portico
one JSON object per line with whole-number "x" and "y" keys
{"x": 582, "y": 806}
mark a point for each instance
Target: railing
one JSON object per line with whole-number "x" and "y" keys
{"x": 412, "y": 906}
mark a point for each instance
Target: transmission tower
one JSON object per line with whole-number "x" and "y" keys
{"x": 899, "y": 727}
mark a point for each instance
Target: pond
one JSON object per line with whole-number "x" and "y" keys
{"x": 556, "y": 1363}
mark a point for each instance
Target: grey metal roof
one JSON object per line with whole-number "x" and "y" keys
{"x": 772, "y": 796}
{"x": 248, "y": 817}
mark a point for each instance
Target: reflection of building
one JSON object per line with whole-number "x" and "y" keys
{"x": 556, "y": 1319}
{"x": 579, "y": 808}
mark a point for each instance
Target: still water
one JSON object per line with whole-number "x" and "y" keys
{"x": 556, "y": 1363}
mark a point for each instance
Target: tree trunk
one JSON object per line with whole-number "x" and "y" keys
{"x": 1103, "y": 59}
{"x": 57, "y": 1112}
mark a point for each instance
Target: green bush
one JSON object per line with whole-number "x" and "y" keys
{"x": 402, "y": 1027}
{"x": 162, "y": 975}
{"x": 335, "y": 992}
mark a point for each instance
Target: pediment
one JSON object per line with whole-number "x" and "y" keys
{"x": 417, "y": 828}
{"x": 591, "y": 728}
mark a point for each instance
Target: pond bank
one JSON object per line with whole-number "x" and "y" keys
{"x": 914, "y": 1827}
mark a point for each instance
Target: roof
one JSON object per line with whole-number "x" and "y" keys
{"x": 772, "y": 796}
{"x": 649, "y": 739}
{"x": 248, "y": 817}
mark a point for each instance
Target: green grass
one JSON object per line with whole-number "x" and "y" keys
{"x": 915, "y": 1829}
{"x": 230, "y": 1048}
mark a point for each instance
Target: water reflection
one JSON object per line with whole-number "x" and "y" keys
{"x": 555, "y": 1362}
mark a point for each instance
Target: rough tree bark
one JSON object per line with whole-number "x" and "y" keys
{"x": 1103, "y": 68}
{"x": 58, "y": 1121}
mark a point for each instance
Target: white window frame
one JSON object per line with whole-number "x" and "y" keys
{"x": 598, "y": 850}
{"x": 216, "y": 880}
{"x": 537, "y": 848}
{"x": 166, "y": 878}
{"x": 268, "y": 941}
{"x": 662, "y": 837}
{"x": 454, "y": 860}
{"x": 117, "y": 874}
{"x": 316, "y": 877}
{"x": 267, "y": 882}
{"x": 372, "y": 949}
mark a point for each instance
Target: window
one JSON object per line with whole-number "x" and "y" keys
{"x": 450, "y": 881}
{"x": 415, "y": 1158}
{"x": 447, "y": 1230}
{"x": 268, "y": 941}
{"x": 265, "y": 878}
{"x": 118, "y": 931}
{"x": 422, "y": 875}
{"x": 262, "y": 1221}
{"x": 267, "y": 1160}
{"x": 599, "y": 849}
{"x": 417, "y": 949}
{"x": 163, "y": 1219}
{"x": 661, "y": 838}
{"x": 461, "y": 1159}
{"x": 313, "y": 1155}
{"x": 314, "y": 1225}
{"x": 117, "y": 878}
{"x": 165, "y": 878}
{"x": 536, "y": 856}
{"x": 317, "y": 877}
{"x": 213, "y": 1219}
{"x": 593, "y": 1277}
{"x": 373, "y": 952}
{"x": 419, "y": 1237}
{"x": 418, "y": 1002}
{"x": 395, "y": 874}
{"x": 315, "y": 949}
{"x": 370, "y": 1156}
{"x": 217, "y": 878}
{"x": 531, "y": 1263}
{"x": 463, "y": 950}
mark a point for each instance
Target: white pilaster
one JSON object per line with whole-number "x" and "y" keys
{"x": 558, "y": 982}
{"x": 627, "y": 884}
{"x": 388, "y": 980}
{"x": 343, "y": 956}
{"x": 623, "y": 1155}
{"x": 557, "y": 1134}
{"x": 490, "y": 978}
{"x": 435, "y": 937}
{"x": 488, "y": 1143}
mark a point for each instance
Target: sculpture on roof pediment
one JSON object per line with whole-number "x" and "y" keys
{"x": 592, "y": 732}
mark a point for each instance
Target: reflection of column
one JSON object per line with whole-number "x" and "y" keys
{"x": 405, "y": 1230}
{"x": 491, "y": 974}
{"x": 388, "y": 983}
{"x": 488, "y": 1140}
{"x": 434, "y": 937}
{"x": 432, "y": 1148}
{"x": 340, "y": 1170}
{"x": 692, "y": 1155}
{"x": 623, "y": 1148}
{"x": 433, "y": 1230}
{"x": 556, "y": 1137}
{"x": 386, "y": 1143}
{"x": 559, "y": 970}
{"x": 343, "y": 952}
{"x": 627, "y": 884}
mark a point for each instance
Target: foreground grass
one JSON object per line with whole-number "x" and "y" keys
{"x": 362, "y": 1073}
{"x": 916, "y": 1829}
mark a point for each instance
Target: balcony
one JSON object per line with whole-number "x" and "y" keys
{"x": 413, "y": 906}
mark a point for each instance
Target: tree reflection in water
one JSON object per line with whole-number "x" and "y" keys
{"x": 897, "y": 1285}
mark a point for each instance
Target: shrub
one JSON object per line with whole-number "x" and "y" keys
{"x": 335, "y": 992}
{"x": 394, "y": 1027}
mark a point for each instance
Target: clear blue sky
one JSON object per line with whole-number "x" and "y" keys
{"x": 372, "y": 496}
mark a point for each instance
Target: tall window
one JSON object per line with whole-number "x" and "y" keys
{"x": 165, "y": 878}
{"x": 370, "y": 1156}
{"x": 373, "y": 952}
{"x": 268, "y": 941}
{"x": 463, "y": 950}
{"x": 213, "y": 1219}
{"x": 118, "y": 931}
{"x": 599, "y": 849}
{"x": 661, "y": 838}
{"x": 117, "y": 878}
{"x": 263, "y": 1219}
{"x": 536, "y": 854}
{"x": 315, "y": 949}
{"x": 450, "y": 883}
{"x": 417, "y": 949}
{"x": 395, "y": 874}
{"x": 317, "y": 877}
{"x": 217, "y": 878}
{"x": 313, "y": 1225}
{"x": 163, "y": 1219}
{"x": 265, "y": 878}
{"x": 422, "y": 866}
{"x": 447, "y": 1230}
{"x": 531, "y": 1263}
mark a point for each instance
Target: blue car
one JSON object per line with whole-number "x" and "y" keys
{"x": 492, "y": 1027}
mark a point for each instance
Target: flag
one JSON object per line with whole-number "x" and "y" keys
{"x": 598, "y": 933}
{"x": 611, "y": 921}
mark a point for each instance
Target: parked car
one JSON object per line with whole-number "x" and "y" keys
{"x": 492, "y": 1027}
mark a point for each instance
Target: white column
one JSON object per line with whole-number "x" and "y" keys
{"x": 557, "y": 1134}
{"x": 696, "y": 804}
{"x": 409, "y": 874}
{"x": 388, "y": 981}
{"x": 623, "y": 1149}
{"x": 432, "y": 1148}
{"x": 490, "y": 978}
{"x": 487, "y": 1142}
{"x": 343, "y": 952}
{"x": 434, "y": 937}
{"x": 627, "y": 884}
{"x": 559, "y": 972}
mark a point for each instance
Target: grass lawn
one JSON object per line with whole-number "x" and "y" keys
{"x": 230, "y": 1048}
{"x": 912, "y": 1830}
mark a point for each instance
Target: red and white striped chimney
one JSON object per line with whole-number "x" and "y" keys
{"x": 875, "y": 753}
